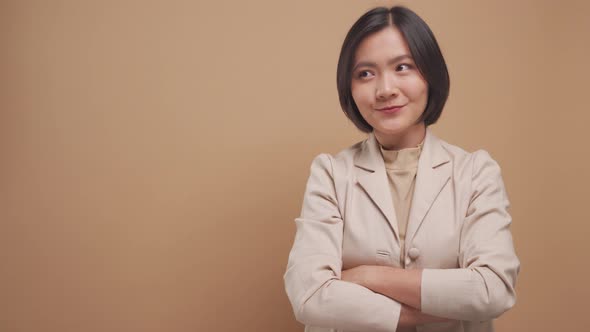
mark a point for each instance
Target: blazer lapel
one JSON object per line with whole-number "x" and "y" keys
{"x": 434, "y": 170}
{"x": 373, "y": 179}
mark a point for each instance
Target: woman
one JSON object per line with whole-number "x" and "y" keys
{"x": 402, "y": 230}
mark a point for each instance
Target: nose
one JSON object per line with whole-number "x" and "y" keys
{"x": 386, "y": 87}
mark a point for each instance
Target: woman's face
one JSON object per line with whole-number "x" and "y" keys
{"x": 388, "y": 88}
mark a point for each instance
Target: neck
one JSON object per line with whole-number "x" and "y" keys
{"x": 408, "y": 139}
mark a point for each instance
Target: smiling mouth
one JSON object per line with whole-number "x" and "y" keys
{"x": 390, "y": 109}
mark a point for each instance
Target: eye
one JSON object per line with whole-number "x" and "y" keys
{"x": 404, "y": 67}
{"x": 364, "y": 74}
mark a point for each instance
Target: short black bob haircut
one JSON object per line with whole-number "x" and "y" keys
{"x": 423, "y": 47}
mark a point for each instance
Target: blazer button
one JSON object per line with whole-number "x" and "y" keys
{"x": 414, "y": 253}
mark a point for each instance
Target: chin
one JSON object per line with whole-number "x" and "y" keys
{"x": 393, "y": 130}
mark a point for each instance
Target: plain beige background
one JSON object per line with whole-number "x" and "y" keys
{"x": 154, "y": 153}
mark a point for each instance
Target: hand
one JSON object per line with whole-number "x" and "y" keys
{"x": 359, "y": 275}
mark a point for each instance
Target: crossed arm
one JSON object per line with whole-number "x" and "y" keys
{"x": 401, "y": 285}
{"x": 381, "y": 298}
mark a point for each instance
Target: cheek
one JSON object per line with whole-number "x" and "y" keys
{"x": 361, "y": 96}
{"x": 422, "y": 96}
{"x": 416, "y": 91}
{"x": 420, "y": 89}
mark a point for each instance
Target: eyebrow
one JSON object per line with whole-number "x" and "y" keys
{"x": 373, "y": 64}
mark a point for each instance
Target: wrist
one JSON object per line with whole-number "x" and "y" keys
{"x": 372, "y": 275}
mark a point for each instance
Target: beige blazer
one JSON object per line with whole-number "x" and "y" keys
{"x": 458, "y": 232}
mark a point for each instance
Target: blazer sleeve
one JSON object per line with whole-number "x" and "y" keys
{"x": 483, "y": 287}
{"x": 312, "y": 279}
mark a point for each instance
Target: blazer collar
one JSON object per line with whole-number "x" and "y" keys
{"x": 370, "y": 158}
{"x": 433, "y": 172}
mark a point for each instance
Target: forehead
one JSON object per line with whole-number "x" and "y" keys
{"x": 382, "y": 46}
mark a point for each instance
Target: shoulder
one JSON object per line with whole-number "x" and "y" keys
{"x": 479, "y": 169}
{"x": 340, "y": 161}
{"x": 471, "y": 162}
{"x": 331, "y": 173}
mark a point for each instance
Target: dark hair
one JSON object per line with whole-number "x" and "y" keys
{"x": 423, "y": 47}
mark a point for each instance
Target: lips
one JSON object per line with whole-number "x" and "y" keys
{"x": 390, "y": 109}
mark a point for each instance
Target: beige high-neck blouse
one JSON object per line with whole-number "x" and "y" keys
{"x": 401, "y": 166}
